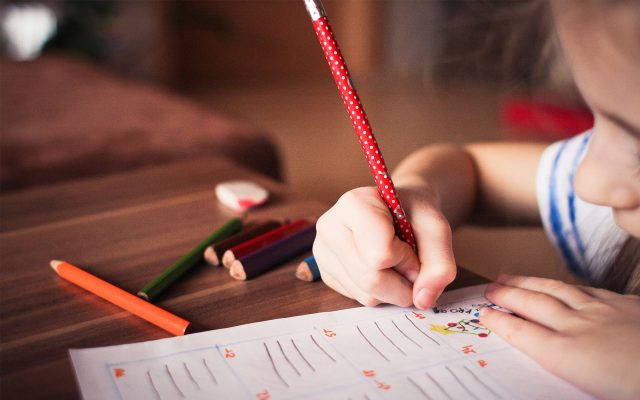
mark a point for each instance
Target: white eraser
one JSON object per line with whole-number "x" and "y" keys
{"x": 241, "y": 195}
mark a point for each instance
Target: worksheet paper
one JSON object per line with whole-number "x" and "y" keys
{"x": 363, "y": 353}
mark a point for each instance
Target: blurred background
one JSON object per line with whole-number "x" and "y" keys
{"x": 95, "y": 87}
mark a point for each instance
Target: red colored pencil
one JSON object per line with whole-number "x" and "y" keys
{"x": 359, "y": 120}
{"x": 262, "y": 241}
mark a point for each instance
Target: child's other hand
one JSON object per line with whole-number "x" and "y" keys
{"x": 360, "y": 256}
{"x": 587, "y": 336}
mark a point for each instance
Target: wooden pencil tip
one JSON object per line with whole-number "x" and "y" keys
{"x": 54, "y": 264}
{"x": 228, "y": 258}
{"x": 303, "y": 272}
{"x": 193, "y": 328}
{"x": 237, "y": 271}
{"x": 187, "y": 329}
{"x": 211, "y": 257}
{"x": 143, "y": 295}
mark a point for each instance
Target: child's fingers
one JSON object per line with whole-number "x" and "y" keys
{"x": 601, "y": 294}
{"x": 323, "y": 259}
{"x": 407, "y": 263}
{"x": 333, "y": 283}
{"x": 335, "y": 276}
{"x": 368, "y": 287}
{"x": 534, "y": 306}
{"x": 569, "y": 294}
{"x": 352, "y": 271}
{"x": 532, "y": 339}
{"x": 386, "y": 285}
{"x": 342, "y": 241}
{"x": 394, "y": 254}
{"x": 437, "y": 263}
{"x": 365, "y": 214}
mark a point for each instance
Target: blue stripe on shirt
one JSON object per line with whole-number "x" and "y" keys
{"x": 556, "y": 218}
{"x": 572, "y": 195}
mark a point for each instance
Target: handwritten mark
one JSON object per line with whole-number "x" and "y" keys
{"x": 439, "y": 386}
{"x": 321, "y": 349}
{"x": 389, "y": 339}
{"x": 421, "y": 390}
{"x": 186, "y": 368}
{"x": 371, "y": 344}
{"x": 329, "y": 333}
{"x": 482, "y": 363}
{"x": 173, "y": 380}
{"x": 473, "y": 310}
{"x": 206, "y": 365}
{"x": 302, "y": 356}
{"x": 420, "y": 330}
{"x": 468, "y": 349}
{"x": 264, "y": 395}
{"x": 118, "y": 372}
{"x": 405, "y": 335}
{"x": 418, "y": 315}
{"x": 153, "y": 385}
{"x": 228, "y": 353}
{"x": 369, "y": 373}
{"x": 461, "y": 383}
{"x": 382, "y": 385}
{"x": 287, "y": 358}
{"x": 273, "y": 365}
{"x": 481, "y": 382}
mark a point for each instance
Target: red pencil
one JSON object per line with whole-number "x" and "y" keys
{"x": 262, "y": 241}
{"x": 359, "y": 119}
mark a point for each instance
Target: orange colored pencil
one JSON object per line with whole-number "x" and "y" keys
{"x": 121, "y": 298}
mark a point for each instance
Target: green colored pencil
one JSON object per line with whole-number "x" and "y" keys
{"x": 186, "y": 262}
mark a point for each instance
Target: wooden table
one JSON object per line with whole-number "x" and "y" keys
{"x": 126, "y": 228}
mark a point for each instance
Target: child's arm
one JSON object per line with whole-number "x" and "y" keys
{"x": 442, "y": 185}
{"x": 488, "y": 183}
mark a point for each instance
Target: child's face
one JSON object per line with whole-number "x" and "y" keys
{"x": 602, "y": 42}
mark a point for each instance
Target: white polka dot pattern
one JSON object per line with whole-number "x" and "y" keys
{"x": 363, "y": 129}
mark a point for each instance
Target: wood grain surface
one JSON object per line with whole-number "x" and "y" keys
{"x": 127, "y": 228}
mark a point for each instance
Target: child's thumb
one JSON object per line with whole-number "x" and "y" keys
{"x": 437, "y": 264}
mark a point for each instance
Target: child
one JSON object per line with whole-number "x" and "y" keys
{"x": 586, "y": 192}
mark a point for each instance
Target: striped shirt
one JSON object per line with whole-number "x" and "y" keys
{"x": 584, "y": 234}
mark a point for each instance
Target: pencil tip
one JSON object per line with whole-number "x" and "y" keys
{"x": 211, "y": 257}
{"x": 237, "y": 271}
{"x": 54, "y": 264}
{"x": 303, "y": 273}
{"x": 143, "y": 295}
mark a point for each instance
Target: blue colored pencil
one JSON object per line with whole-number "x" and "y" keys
{"x": 308, "y": 270}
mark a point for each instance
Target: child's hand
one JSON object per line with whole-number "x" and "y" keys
{"x": 587, "y": 336}
{"x": 360, "y": 256}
